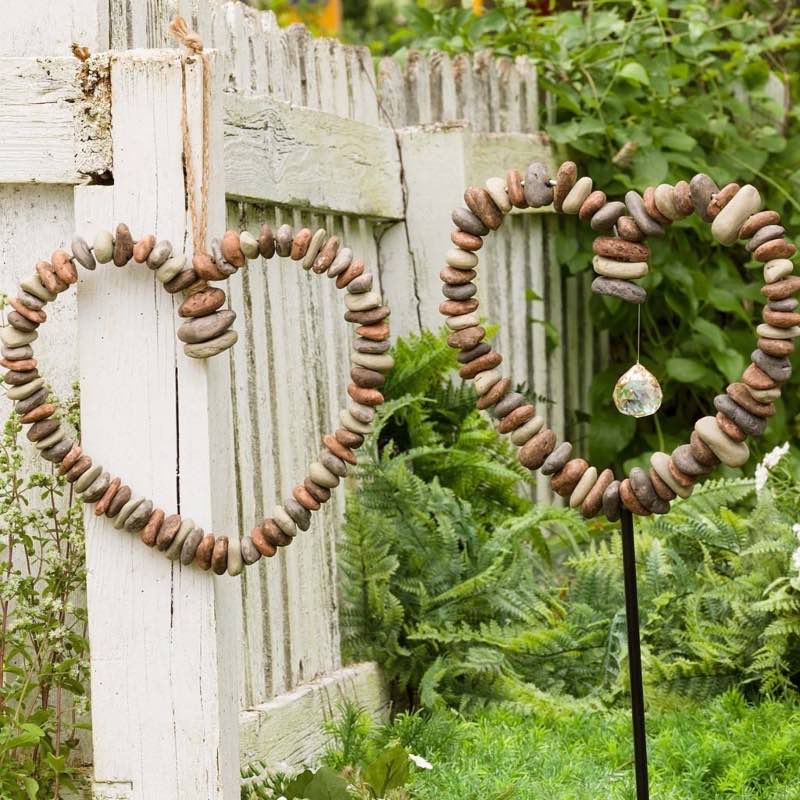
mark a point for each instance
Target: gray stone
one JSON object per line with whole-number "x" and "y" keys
{"x": 21, "y": 323}
{"x": 190, "y": 545}
{"x": 342, "y": 261}
{"x": 211, "y": 347}
{"x": 537, "y": 191}
{"x": 17, "y": 353}
{"x": 284, "y": 521}
{"x": 701, "y": 190}
{"x": 11, "y": 337}
{"x": 83, "y": 253}
{"x": 361, "y": 284}
{"x": 624, "y": 290}
{"x": 333, "y": 463}
{"x": 361, "y": 412}
{"x": 643, "y": 488}
{"x": 171, "y": 268}
{"x": 765, "y": 234}
{"x": 250, "y": 553}
{"x": 300, "y": 514}
{"x": 556, "y": 460}
{"x": 462, "y": 291}
{"x": 25, "y": 390}
{"x": 33, "y": 285}
{"x": 685, "y": 461}
{"x": 779, "y": 369}
{"x": 463, "y": 218}
{"x": 53, "y": 439}
{"x": 201, "y": 329}
{"x": 510, "y": 402}
{"x": 97, "y": 488}
{"x": 56, "y": 453}
{"x": 22, "y": 407}
{"x": 636, "y": 207}
{"x": 363, "y": 345}
{"x": 606, "y": 218}
{"x": 31, "y": 301}
{"x": 126, "y": 511}
{"x": 322, "y": 476}
{"x": 479, "y": 350}
{"x": 173, "y": 552}
{"x": 749, "y": 423}
{"x": 611, "y": 504}
{"x": 787, "y": 304}
{"x": 284, "y": 240}
{"x": 159, "y": 254}
{"x": 139, "y": 517}
{"x": 88, "y": 478}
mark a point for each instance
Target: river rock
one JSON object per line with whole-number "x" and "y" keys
{"x": 734, "y": 454}
{"x": 211, "y": 347}
{"x": 606, "y": 218}
{"x": 201, "y": 329}
{"x": 557, "y": 459}
{"x": 749, "y": 423}
{"x": 636, "y": 208}
{"x": 533, "y": 453}
{"x": 624, "y": 290}
{"x": 701, "y": 190}
{"x": 622, "y": 270}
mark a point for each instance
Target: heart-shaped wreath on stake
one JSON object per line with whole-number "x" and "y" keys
{"x": 621, "y": 257}
{"x": 206, "y": 332}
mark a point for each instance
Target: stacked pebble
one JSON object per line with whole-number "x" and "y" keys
{"x": 734, "y": 213}
{"x": 206, "y": 332}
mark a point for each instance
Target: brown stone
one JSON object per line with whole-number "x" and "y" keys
{"x": 480, "y": 364}
{"x": 206, "y": 267}
{"x": 78, "y": 468}
{"x": 730, "y": 428}
{"x": 375, "y": 333}
{"x": 21, "y": 366}
{"x": 37, "y": 317}
{"x": 566, "y": 479}
{"x": 302, "y": 239}
{"x": 150, "y": 531}
{"x": 168, "y": 531}
{"x": 349, "y": 439}
{"x": 41, "y": 412}
{"x": 629, "y": 230}
{"x": 231, "y": 249}
{"x": 219, "y": 556}
{"x": 262, "y": 544}
{"x": 775, "y": 248}
{"x": 456, "y": 277}
{"x": 782, "y": 289}
{"x": 355, "y": 269}
{"x": 756, "y": 378}
{"x": 702, "y": 453}
{"x": 758, "y": 221}
{"x": 649, "y": 199}
{"x": 105, "y": 501}
{"x": 42, "y": 429}
{"x": 266, "y": 242}
{"x": 338, "y": 449}
{"x": 594, "y": 500}
{"x": 48, "y": 277}
{"x": 630, "y": 501}
{"x": 454, "y": 308}
{"x": 661, "y": 488}
{"x": 316, "y": 491}
{"x": 19, "y": 377}
{"x": 683, "y": 199}
{"x": 781, "y": 319}
{"x": 739, "y": 392}
{"x": 370, "y": 317}
{"x": 466, "y": 338}
{"x": 63, "y": 266}
{"x": 566, "y": 178}
{"x": 515, "y": 189}
{"x": 304, "y": 497}
{"x": 182, "y": 281}
{"x": 326, "y": 255}
{"x": 720, "y": 199}
{"x": 494, "y": 395}
{"x": 274, "y": 533}
{"x": 533, "y": 453}
{"x": 466, "y": 241}
{"x": 480, "y": 203}
{"x": 205, "y": 551}
{"x": 620, "y": 249}
{"x": 681, "y": 478}
{"x": 776, "y": 347}
{"x": 369, "y": 397}
{"x": 519, "y": 416}
{"x": 123, "y": 245}
{"x": 70, "y": 459}
{"x": 143, "y": 248}
{"x": 591, "y": 205}
{"x": 21, "y": 323}
{"x": 367, "y": 378}
{"x": 202, "y": 303}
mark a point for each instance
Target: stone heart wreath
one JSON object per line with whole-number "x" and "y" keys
{"x": 734, "y": 213}
{"x": 206, "y": 332}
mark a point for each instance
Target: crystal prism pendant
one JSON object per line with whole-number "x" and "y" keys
{"x": 637, "y": 393}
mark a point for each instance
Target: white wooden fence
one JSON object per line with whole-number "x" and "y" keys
{"x": 302, "y": 130}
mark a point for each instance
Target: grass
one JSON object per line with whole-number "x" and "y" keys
{"x": 722, "y": 749}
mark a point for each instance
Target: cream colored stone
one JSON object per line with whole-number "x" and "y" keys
{"x": 585, "y": 484}
{"x": 734, "y": 454}
{"x": 576, "y": 195}
{"x": 497, "y": 191}
{"x": 745, "y": 203}
{"x": 526, "y": 431}
{"x": 660, "y": 463}
{"x": 625, "y": 270}
{"x": 461, "y": 259}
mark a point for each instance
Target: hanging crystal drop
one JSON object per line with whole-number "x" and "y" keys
{"x": 637, "y": 393}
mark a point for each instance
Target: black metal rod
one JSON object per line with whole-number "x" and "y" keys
{"x": 634, "y": 656}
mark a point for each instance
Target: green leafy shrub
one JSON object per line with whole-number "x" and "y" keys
{"x": 644, "y": 93}
{"x": 44, "y": 663}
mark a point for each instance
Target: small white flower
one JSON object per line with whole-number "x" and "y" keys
{"x": 796, "y": 530}
{"x": 761, "y": 477}
{"x": 423, "y": 763}
{"x": 772, "y": 458}
{"x": 796, "y": 559}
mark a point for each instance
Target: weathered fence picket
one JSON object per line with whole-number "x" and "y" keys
{"x": 307, "y": 131}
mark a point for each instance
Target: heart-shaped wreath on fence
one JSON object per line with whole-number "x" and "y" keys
{"x": 620, "y": 258}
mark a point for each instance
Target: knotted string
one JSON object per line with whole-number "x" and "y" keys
{"x": 181, "y": 31}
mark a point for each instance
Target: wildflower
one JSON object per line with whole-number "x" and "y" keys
{"x": 420, "y": 761}
{"x": 796, "y": 559}
{"x": 761, "y": 477}
{"x": 772, "y": 458}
